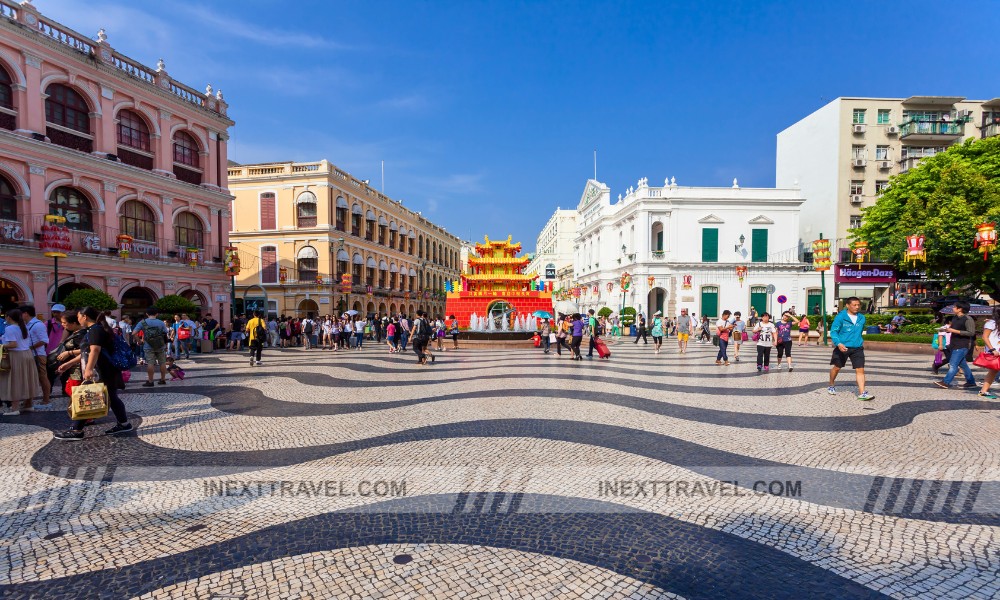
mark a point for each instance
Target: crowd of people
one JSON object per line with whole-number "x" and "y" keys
{"x": 51, "y": 357}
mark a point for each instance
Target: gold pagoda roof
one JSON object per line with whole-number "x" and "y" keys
{"x": 495, "y": 245}
{"x": 499, "y": 277}
{"x": 497, "y": 260}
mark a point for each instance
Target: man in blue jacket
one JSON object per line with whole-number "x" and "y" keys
{"x": 848, "y": 344}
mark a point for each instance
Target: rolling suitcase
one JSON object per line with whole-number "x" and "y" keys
{"x": 602, "y": 348}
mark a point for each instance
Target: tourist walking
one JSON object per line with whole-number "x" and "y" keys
{"x": 738, "y": 334}
{"x": 705, "y": 331}
{"x": 684, "y": 325}
{"x": 657, "y": 331}
{"x": 390, "y": 334}
{"x": 576, "y": 328}
{"x": 963, "y": 338}
{"x": 68, "y": 368}
{"x": 764, "y": 334}
{"x": 38, "y": 339}
{"x": 991, "y": 339}
{"x": 95, "y": 358}
{"x": 256, "y": 330}
{"x": 563, "y": 327}
{"x": 420, "y": 336}
{"x": 723, "y": 328}
{"x": 784, "y": 340}
{"x": 640, "y": 329}
{"x": 846, "y": 332}
{"x": 359, "y": 332}
{"x": 546, "y": 332}
{"x": 19, "y": 381}
{"x": 592, "y": 330}
{"x": 804, "y": 330}
{"x": 453, "y": 329}
{"x": 154, "y": 345}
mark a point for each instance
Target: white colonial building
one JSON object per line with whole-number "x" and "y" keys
{"x": 682, "y": 247}
{"x": 554, "y": 246}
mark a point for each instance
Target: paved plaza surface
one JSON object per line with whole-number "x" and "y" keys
{"x": 510, "y": 474}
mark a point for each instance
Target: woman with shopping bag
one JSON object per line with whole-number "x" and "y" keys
{"x": 98, "y": 371}
{"x": 18, "y": 371}
{"x": 990, "y": 357}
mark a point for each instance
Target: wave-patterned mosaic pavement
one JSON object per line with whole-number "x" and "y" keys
{"x": 511, "y": 474}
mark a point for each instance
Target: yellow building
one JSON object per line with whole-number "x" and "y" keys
{"x": 301, "y": 227}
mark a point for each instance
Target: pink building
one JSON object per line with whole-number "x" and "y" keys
{"x": 116, "y": 148}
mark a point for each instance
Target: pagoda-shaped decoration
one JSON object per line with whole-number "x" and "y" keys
{"x": 495, "y": 285}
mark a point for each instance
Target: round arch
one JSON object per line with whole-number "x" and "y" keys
{"x": 89, "y": 191}
{"x": 308, "y": 308}
{"x": 392, "y": 309}
{"x": 153, "y": 206}
{"x": 381, "y": 308}
{"x": 15, "y": 178}
{"x": 68, "y": 287}
{"x": 202, "y": 141}
{"x": 370, "y": 309}
{"x": 151, "y": 120}
{"x": 197, "y": 297}
{"x": 206, "y": 223}
{"x": 411, "y": 310}
{"x": 13, "y": 67}
{"x": 13, "y": 292}
{"x": 86, "y": 92}
{"x": 656, "y": 300}
{"x": 135, "y": 300}
{"x": 357, "y": 306}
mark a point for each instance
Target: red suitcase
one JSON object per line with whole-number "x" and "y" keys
{"x": 602, "y": 348}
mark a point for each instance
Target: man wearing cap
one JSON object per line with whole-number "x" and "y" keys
{"x": 55, "y": 328}
{"x": 657, "y": 331}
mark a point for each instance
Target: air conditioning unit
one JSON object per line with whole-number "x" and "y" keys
{"x": 860, "y": 162}
{"x": 856, "y": 199}
{"x": 885, "y": 164}
{"x": 963, "y": 115}
{"x": 892, "y": 130}
{"x": 859, "y": 128}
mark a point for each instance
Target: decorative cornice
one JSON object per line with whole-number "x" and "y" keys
{"x": 31, "y": 60}
{"x": 110, "y": 186}
{"x": 36, "y": 169}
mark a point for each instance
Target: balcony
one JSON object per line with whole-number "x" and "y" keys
{"x": 26, "y": 233}
{"x": 658, "y": 254}
{"x": 931, "y": 131}
{"x": 908, "y": 163}
{"x": 62, "y": 137}
{"x": 187, "y": 175}
{"x": 136, "y": 159}
{"x": 990, "y": 130}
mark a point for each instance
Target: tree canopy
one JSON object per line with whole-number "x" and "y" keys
{"x": 944, "y": 198}
{"x": 88, "y": 297}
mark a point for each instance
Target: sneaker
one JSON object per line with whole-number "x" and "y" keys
{"x": 866, "y": 396}
{"x": 942, "y": 385}
{"x": 767, "y": 369}
{"x": 260, "y": 362}
{"x": 972, "y": 385}
{"x": 790, "y": 368}
{"x": 119, "y": 428}
{"x": 148, "y": 384}
{"x": 12, "y": 413}
{"x": 759, "y": 369}
{"x": 988, "y": 395}
{"x": 162, "y": 382}
{"x": 831, "y": 390}
{"x": 69, "y": 435}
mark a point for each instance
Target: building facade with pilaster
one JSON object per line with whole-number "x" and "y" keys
{"x": 697, "y": 248}
{"x": 302, "y": 227}
{"x": 132, "y": 159}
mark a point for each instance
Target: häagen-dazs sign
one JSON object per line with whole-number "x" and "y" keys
{"x": 864, "y": 273}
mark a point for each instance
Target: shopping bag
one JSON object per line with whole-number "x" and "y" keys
{"x": 988, "y": 360}
{"x": 89, "y": 401}
{"x": 4, "y": 359}
{"x": 184, "y": 333}
{"x": 938, "y": 360}
{"x": 552, "y": 338}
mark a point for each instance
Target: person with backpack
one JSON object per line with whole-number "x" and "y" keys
{"x": 421, "y": 336}
{"x": 960, "y": 346}
{"x": 97, "y": 357}
{"x": 738, "y": 331}
{"x": 724, "y": 329}
{"x": 640, "y": 329}
{"x": 256, "y": 334}
{"x": 308, "y": 326}
{"x": 154, "y": 345}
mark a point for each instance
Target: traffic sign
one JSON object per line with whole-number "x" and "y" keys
{"x": 782, "y": 299}
{"x": 771, "y": 288}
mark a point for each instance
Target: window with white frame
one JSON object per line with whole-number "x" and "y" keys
{"x": 855, "y": 221}
{"x": 881, "y": 152}
{"x": 858, "y": 116}
{"x": 857, "y": 187}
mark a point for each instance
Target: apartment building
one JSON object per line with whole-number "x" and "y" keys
{"x": 843, "y": 155}
{"x": 554, "y": 245}
{"x": 132, "y": 159}
{"x": 315, "y": 240}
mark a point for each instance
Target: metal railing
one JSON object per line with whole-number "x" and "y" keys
{"x": 944, "y": 128}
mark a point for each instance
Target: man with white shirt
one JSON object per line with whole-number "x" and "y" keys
{"x": 38, "y": 339}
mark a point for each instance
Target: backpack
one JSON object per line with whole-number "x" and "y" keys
{"x": 259, "y": 332}
{"x": 421, "y": 332}
{"x": 309, "y": 328}
{"x": 121, "y": 356}
{"x": 155, "y": 338}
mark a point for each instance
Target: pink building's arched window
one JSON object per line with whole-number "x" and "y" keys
{"x": 8, "y": 201}
{"x": 185, "y": 149}
{"x": 137, "y": 221}
{"x": 189, "y": 231}
{"x": 72, "y": 204}
{"x": 68, "y": 118}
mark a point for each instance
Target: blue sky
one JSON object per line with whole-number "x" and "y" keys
{"x": 487, "y": 113}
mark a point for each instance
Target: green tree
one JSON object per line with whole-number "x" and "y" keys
{"x": 944, "y": 198}
{"x": 604, "y": 312}
{"x": 175, "y": 305}
{"x": 87, "y": 297}
{"x": 628, "y": 316}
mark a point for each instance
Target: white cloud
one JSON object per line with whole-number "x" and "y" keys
{"x": 228, "y": 25}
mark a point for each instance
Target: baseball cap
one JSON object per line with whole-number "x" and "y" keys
{"x": 58, "y": 308}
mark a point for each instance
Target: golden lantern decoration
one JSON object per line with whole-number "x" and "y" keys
{"x": 687, "y": 281}
{"x": 319, "y": 280}
{"x": 610, "y": 286}
{"x": 741, "y": 274}
{"x": 55, "y": 237}
{"x": 626, "y": 281}
{"x": 282, "y": 275}
{"x": 821, "y": 255}
{"x": 651, "y": 280}
{"x": 915, "y": 249}
{"x": 232, "y": 262}
{"x": 192, "y": 257}
{"x": 860, "y": 251}
{"x": 986, "y": 238}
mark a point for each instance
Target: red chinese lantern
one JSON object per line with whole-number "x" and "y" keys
{"x": 651, "y": 280}
{"x": 124, "y": 245}
{"x": 319, "y": 280}
{"x": 596, "y": 290}
{"x": 860, "y": 251}
{"x": 741, "y": 274}
{"x": 915, "y": 248}
{"x": 55, "y": 237}
{"x": 192, "y": 257}
{"x": 282, "y": 275}
{"x": 986, "y": 238}
{"x": 611, "y": 286}
{"x": 687, "y": 281}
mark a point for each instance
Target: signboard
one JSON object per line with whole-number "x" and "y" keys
{"x": 550, "y": 271}
{"x": 221, "y": 297}
{"x": 864, "y": 273}
{"x": 251, "y": 304}
{"x": 770, "y": 288}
